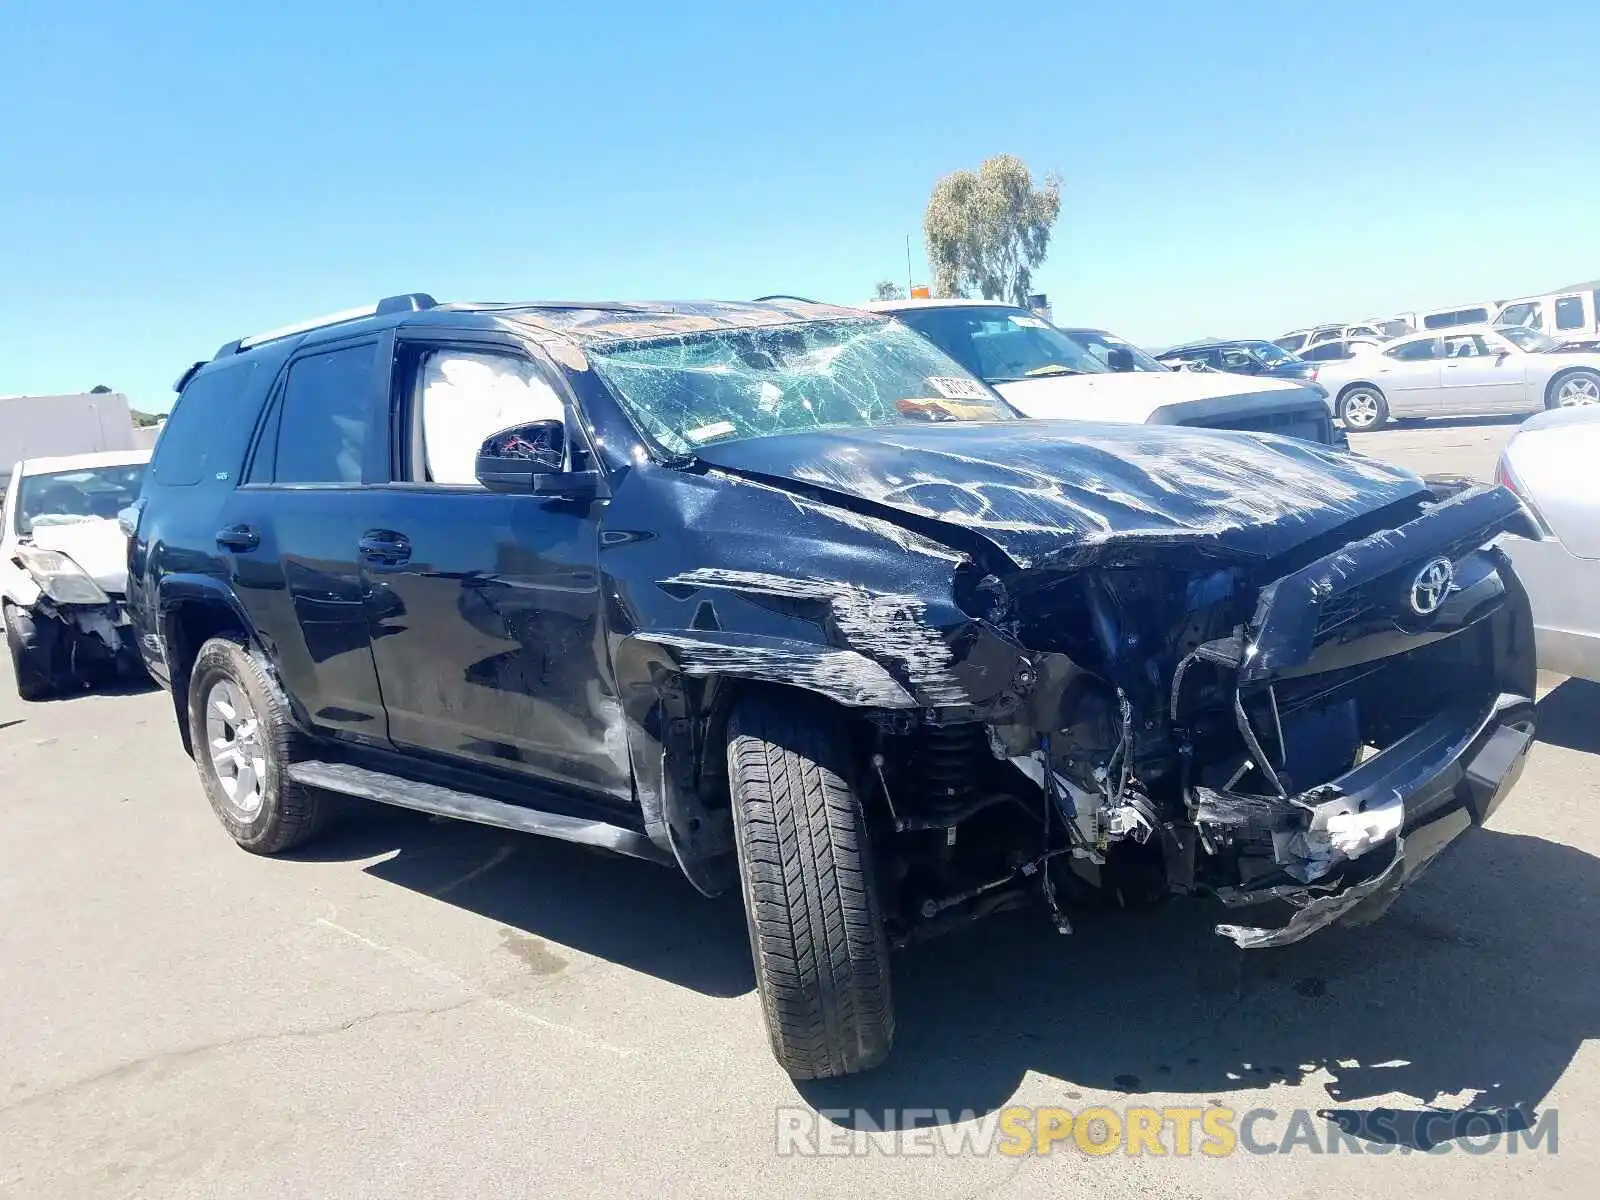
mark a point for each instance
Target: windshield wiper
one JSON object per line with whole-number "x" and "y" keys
{"x": 1052, "y": 369}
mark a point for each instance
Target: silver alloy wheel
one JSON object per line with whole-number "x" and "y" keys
{"x": 233, "y": 741}
{"x": 1360, "y": 409}
{"x": 1579, "y": 389}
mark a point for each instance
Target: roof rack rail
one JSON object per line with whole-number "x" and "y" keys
{"x": 405, "y": 302}
{"x": 783, "y": 296}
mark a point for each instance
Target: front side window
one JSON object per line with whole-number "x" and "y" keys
{"x": 1002, "y": 345}
{"x": 468, "y": 395}
{"x": 72, "y": 497}
{"x": 1292, "y": 342}
{"x": 1100, "y": 345}
{"x": 191, "y": 434}
{"x": 1569, "y": 313}
{"x": 1525, "y": 314}
{"x": 696, "y": 389}
{"x": 322, "y": 423}
{"x": 1239, "y": 361}
{"x": 1420, "y": 350}
{"x": 1273, "y": 356}
{"x": 1530, "y": 340}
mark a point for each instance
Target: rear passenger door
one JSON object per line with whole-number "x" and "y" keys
{"x": 487, "y": 622}
{"x": 1408, "y": 373}
{"x": 292, "y": 530}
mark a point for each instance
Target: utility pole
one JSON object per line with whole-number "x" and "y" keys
{"x": 908, "y": 264}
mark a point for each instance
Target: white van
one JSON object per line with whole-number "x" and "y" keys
{"x": 1447, "y": 318}
{"x": 1574, "y": 313}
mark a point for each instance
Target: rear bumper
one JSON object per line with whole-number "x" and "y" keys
{"x": 1561, "y": 587}
{"x": 1448, "y": 777}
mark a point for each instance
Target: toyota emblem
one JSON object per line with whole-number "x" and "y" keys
{"x": 1432, "y": 584}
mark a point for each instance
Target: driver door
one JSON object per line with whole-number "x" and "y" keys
{"x": 1475, "y": 377}
{"x": 485, "y": 608}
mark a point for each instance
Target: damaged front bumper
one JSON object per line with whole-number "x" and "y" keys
{"x": 73, "y": 641}
{"x": 1434, "y": 784}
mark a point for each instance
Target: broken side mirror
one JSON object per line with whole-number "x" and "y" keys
{"x": 1119, "y": 358}
{"x": 531, "y": 459}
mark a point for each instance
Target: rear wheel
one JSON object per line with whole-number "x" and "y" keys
{"x": 30, "y": 661}
{"x": 816, "y": 931}
{"x": 244, "y": 742}
{"x": 1573, "y": 389}
{"x": 1362, "y": 407}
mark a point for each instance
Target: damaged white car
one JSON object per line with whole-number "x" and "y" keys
{"x": 63, "y": 571}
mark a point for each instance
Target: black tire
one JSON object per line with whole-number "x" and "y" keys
{"x": 810, "y": 896}
{"x": 1552, "y": 392}
{"x": 289, "y": 814}
{"x": 1380, "y": 408}
{"x": 30, "y": 662}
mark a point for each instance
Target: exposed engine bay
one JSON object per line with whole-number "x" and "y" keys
{"x": 1086, "y": 664}
{"x": 1188, "y": 730}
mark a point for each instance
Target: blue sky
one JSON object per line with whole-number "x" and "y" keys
{"x": 173, "y": 175}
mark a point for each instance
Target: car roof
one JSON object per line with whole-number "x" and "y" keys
{"x": 624, "y": 321}
{"x": 1447, "y": 331}
{"x": 562, "y": 326}
{"x": 1214, "y": 343}
{"x": 78, "y": 462}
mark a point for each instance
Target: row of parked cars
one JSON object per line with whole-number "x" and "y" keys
{"x": 786, "y": 597}
{"x": 1465, "y": 370}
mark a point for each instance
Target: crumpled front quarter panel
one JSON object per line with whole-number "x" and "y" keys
{"x": 739, "y": 578}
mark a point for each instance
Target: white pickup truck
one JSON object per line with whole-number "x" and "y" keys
{"x": 1089, "y": 375}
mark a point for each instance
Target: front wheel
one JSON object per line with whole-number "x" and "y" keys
{"x": 30, "y": 661}
{"x": 243, "y": 744}
{"x": 1362, "y": 408}
{"x": 1574, "y": 389}
{"x": 816, "y": 931}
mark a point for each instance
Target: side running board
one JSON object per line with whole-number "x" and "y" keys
{"x": 448, "y": 802}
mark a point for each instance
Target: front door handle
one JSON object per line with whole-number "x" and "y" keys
{"x": 385, "y": 548}
{"x": 239, "y": 537}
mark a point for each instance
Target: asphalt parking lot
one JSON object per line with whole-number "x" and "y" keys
{"x": 414, "y": 1007}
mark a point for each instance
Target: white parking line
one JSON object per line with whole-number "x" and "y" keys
{"x": 495, "y": 859}
{"x": 431, "y": 969}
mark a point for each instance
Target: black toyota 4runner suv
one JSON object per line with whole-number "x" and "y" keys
{"x": 780, "y": 595}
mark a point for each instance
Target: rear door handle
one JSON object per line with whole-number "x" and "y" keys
{"x": 385, "y": 547}
{"x": 239, "y": 537}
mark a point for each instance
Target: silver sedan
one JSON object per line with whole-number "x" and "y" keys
{"x": 1550, "y": 464}
{"x": 1469, "y": 369}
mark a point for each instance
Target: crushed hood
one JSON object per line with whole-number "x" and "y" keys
{"x": 1136, "y": 395}
{"x": 1064, "y": 492}
{"x": 98, "y": 546}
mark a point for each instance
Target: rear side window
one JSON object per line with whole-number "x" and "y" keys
{"x": 1462, "y": 316}
{"x": 1569, "y": 313}
{"x": 182, "y": 455}
{"x": 1418, "y": 351}
{"x": 1324, "y": 352}
{"x": 322, "y": 420}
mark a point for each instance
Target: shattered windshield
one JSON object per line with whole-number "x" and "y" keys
{"x": 1100, "y": 344}
{"x": 700, "y": 388}
{"x": 1002, "y": 344}
{"x": 69, "y": 497}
